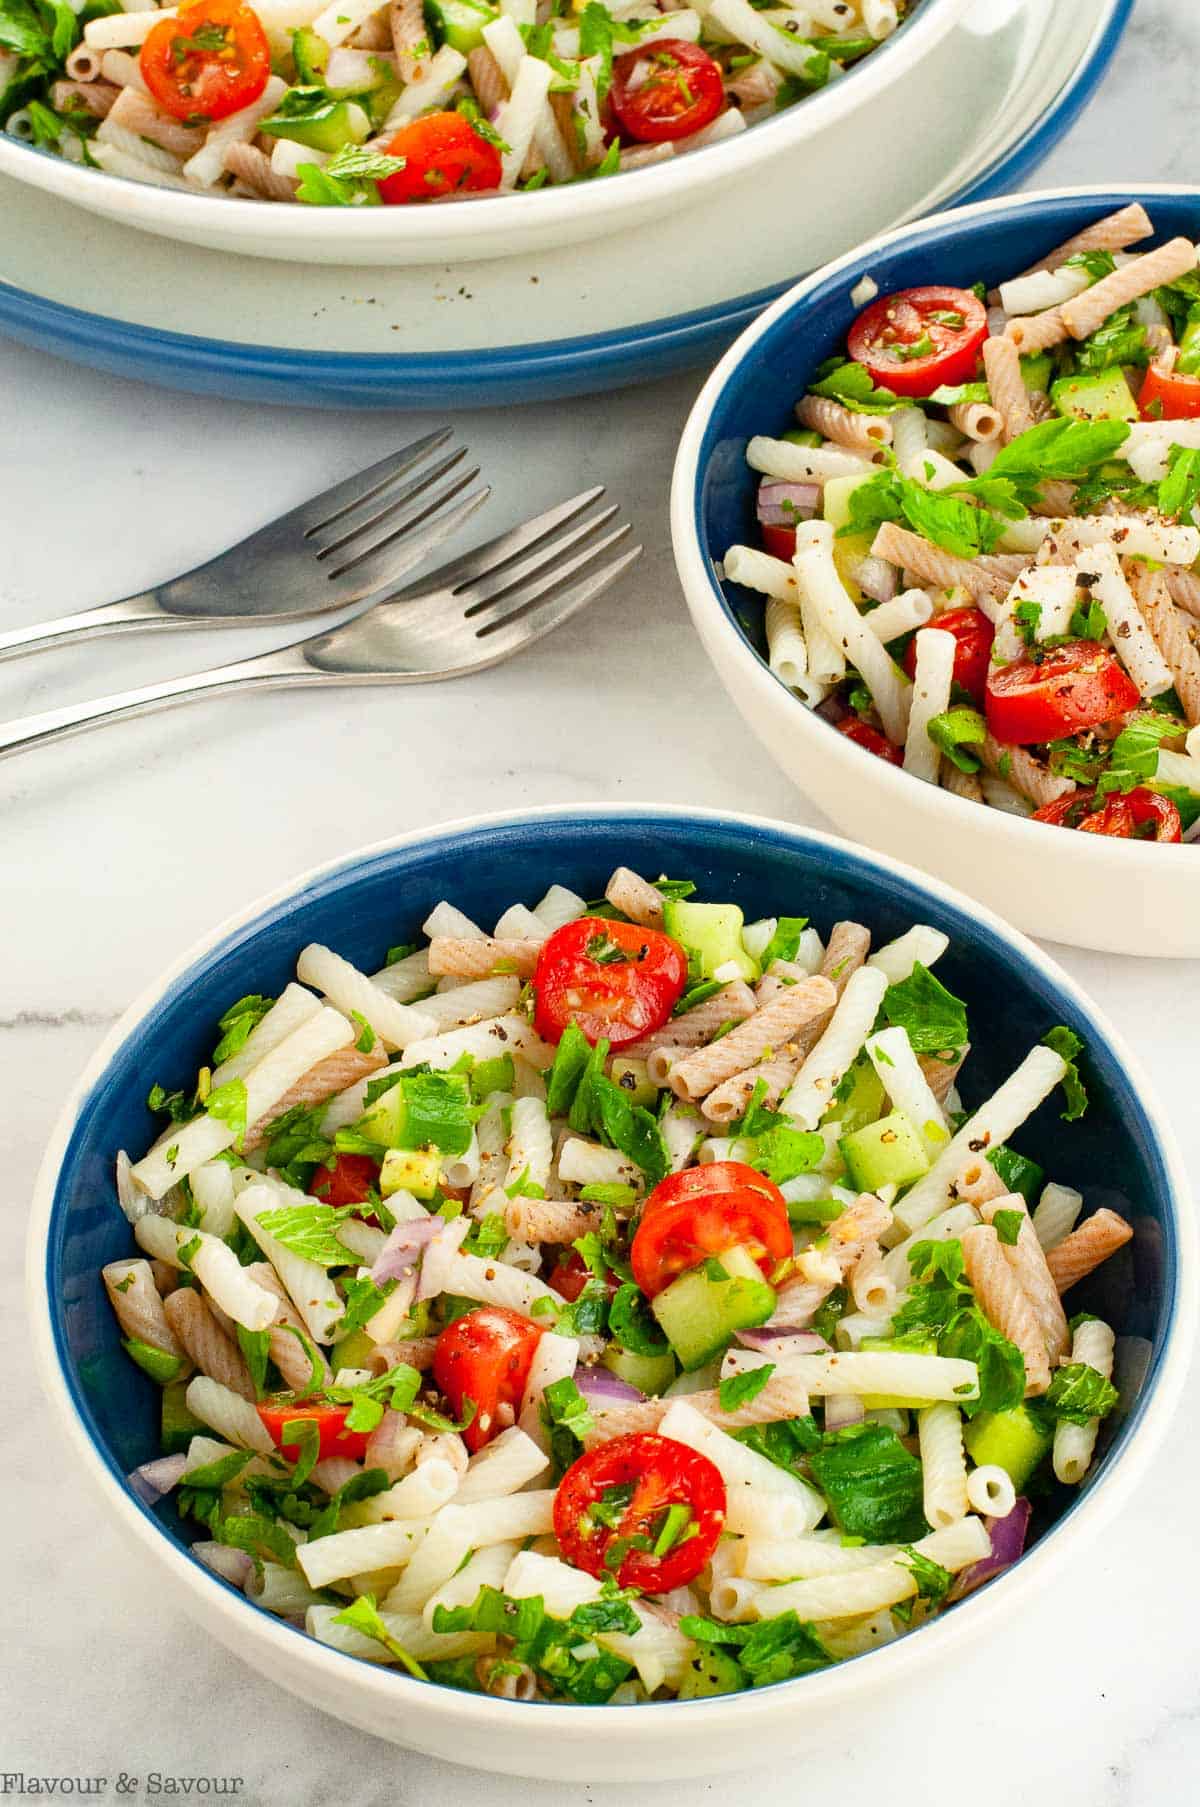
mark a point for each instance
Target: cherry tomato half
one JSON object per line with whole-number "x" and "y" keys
{"x": 1137, "y": 815}
{"x": 1077, "y": 686}
{"x": 703, "y": 1182}
{"x": 668, "y": 90}
{"x": 973, "y": 636}
{"x": 443, "y": 154}
{"x": 864, "y": 735}
{"x": 914, "y": 341}
{"x": 613, "y": 979}
{"x": 485, "y": 1356}
{"x": 780, "y": 542}
{"x": 637, "y": 1479}
{"x": 571, "y": 1275}
{"x": 209, "y": 61}
{"x": 329, "y": 1419}
{"x": 347, "y": 1180}
{"x": 681, "y": 1231}
{"x": 1165, "y": 395}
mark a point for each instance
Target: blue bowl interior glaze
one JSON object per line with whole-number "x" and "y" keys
{"x": 364, "y": 907}
{"x": 759, "y": 395}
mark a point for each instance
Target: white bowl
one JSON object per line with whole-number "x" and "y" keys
{"x": 76, "y": 1225}
{"x": 1117, "y": 896}
{"x": 547, "y": 219}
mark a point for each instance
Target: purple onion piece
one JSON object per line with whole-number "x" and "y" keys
{"x": 782, "y": 504}
{"x": 1008, "y": 1543}
{"x": 782, "y": 1339}
{"x": 153, "y": 1480}
{"x": 842, "y": 1409}
{"x": 877, "y": 579}
{"x": 832, "y": 709}
{"x": 399, "y": 1254}
{"x": 236, "y": 1566}
{"x": 602, "y": 1388}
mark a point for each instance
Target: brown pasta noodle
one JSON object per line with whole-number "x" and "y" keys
{"x": 961, "y": 784}
{"x": 479, "y": 956}
{"x": 1184, "y": 586}
{"x": 563, "y": 108}
{"x": 732, "y": 1004}
{"x": 410, "y": 39}
{"x": 860, "y": 432}
{"x": 1026, "y": 774}
{"x": 847, "y": 949}
{"x": 550, "y": 1219}
{"x": 214, "y": 1353}
{"x": 859, "y": 1225}
{"x": 729, "y": 1100}
{"x": 333, "y": 1074}
{"x": 930, "y": 564}
{"x": 776, "y": 1400}
{"x": 977, "y": 420}
{"x": 132, "y": 110}
{"x": 166, "y": 1277}
{"x": 253, "y": 167}
{"x": 635, "y": 897}
{"x": 136, "y": 1303}
{"x": 1004, "y": 1303}
{"x": 373, "y": 34}
{"x": 770, "y": 1028}
{"x": 95, "y": 98}
{"x": 1031, "y": 333}
{"x": 1006, "y": 385}
{"x": 487, "y": 79}
{"x": 1027, "y": 1259}
{"x": 1100, "y": 1236}
{"x": 414, "y": 1352}
{"x": 1170, "y": 631}
{"x": 940, "y": 1075}
{"x": 755, "y": 86}
{"x": 977, "y": 1183}
{"x": 287, "y": 1351}
{"x": 1084, "y": 313}
{"x": 1115, "y": 232}
{"x": 1055, "y": 498}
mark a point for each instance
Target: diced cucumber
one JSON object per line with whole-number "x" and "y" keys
{"x": 1188, "y": 363}
{"x": 711, "y": 1671}
{"x": 802, "y": 436}
{"x": 1037, "y": 371}
{"x": 414, "y": 1170}
{"x": 327, "y": 126}
{"x": 1095, "y": 395}
{"x": 712, "y": 932}
{"x": 178, "y": 1425}
{"x": 887, "y": 1153}
{"x": 380, "y": 101}
{"x": 310, "y": 53}
{"x": 427, "y": 1110}
{"x": 354, "y": 1351}
{"x": 157, "y": 1363}
{"x": 635, "y": 1082}
{"x": 459, "y": 23}
{"x": 702, "y": 1309}
{"x": 650, "y": 1374}
{"x": 1013, "y": 1440}
{"x": 865, "y": 1101}
{"x": 835, "y": 499}
{"x": 802, "y": 1211}
{"x": 878, "y": 1402}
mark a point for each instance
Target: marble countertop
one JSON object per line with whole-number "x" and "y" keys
{"x": 119, "y": 849}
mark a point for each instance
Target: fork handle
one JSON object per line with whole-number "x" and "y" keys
{"x": 89, "y": 624}
{"x": 270, "y": 671}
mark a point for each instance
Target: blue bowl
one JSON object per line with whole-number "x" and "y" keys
{"x": 1121, "y": 1154}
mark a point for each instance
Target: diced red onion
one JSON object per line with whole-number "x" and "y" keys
{"x": 155, "y": 1479}
{"x": 832, "y": 709}
{"x": 1008, "y": 1543}
{"x": 398, "y": 1256}
{"x": 842, "y": 1409}
{"x": 236, "y": 1566}
{"x": 876, "y": 578}
{"x": 601, "y": 1387}
{"x": 782, "y": 504}
{"x": 782, "y": 1339}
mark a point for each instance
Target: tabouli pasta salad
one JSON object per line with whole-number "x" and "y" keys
{"x": 980, "y": 545}
{"x": 350, "y": 103}
{"x": 620, "y": 1305}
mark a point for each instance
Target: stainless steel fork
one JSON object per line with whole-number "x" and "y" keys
{"x": 479, "y": 610}
{"x": 337, "y": 548}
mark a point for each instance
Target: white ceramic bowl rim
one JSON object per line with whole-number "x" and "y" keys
{"x": 351, "y": 227}
{"x": 701, "y": 582}
{"x": 823, "y": 1689}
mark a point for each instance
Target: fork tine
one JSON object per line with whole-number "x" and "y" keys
{"x": 386, "y": 505}
{"x": 434, "y": 531}
{"x": 514, "y": 572}
{"x": 508, "y": 606}
{"x": 493, "y": 553}
{"x": 510, "y": 635}
{"x": 351, "y": 561}
{"x": 322, "y": 510}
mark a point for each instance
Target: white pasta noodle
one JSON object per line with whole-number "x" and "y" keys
{"x": 1056, "y": 1214}
{"x": 761, "y": 571}
{"x": 307, "y": 1284}
{"x": 233, "y": 1418}
{"x": 911, "y": 609}
{"x": 208, "y": 164}
{"x": 942, "y": 1228}
{"x": 292, "y": 1007}
{"x": 406, "y": 1629}
{"x": 212, "y": 1189}
{"x": 894, "y": 1372}
{"x": 486, "y": 1568}
{"x": 531, "y": 1145}
{"x": 555, "y": 1358}
{"x": 865, "y": 1590}
{"x": 458, "y": 1529}
{"x": 511, "y": 1461}
{"x": 352, "y": 992}
{"x": 518, "y": 117}
{"x": 758, "y": 1492}
{"x": 820, "y": 584}
{"x": 510, "y": 1034}
{"x": 406, "y": 979}
{"x": 479, "y": 1000}
{"x": 421, "y": 1494}
{"x": 809, "y": 1095}
{"x": 930, "y": 698}
{"x": 584, "y": 1163}
{"x": 559, "y": 906}
{"x": 896, "y": 959}
{"x": 890, "y": 1053}
{"x": 1074, "y": 1444}
{"x": 658, "y": 1651}
{"x": 990, "y": 1491}
{"x": 215, "y": 1266}
{"x": 943, "y": 1463}
{"x": 1042, "y": 289}
{"x": 117, "y": 31}
{"x": 446, "y": 1268}
{"x": 806, "y": 464}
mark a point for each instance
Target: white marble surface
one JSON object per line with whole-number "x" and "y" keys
{"x": 119, "y": 849}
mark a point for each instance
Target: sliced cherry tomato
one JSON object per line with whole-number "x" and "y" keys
{"x": 572, "y": 1274}
{"x": 864, "y": 735}
{"x": 347, "y": 1180}
{"x": 780, "y": 542}
{"x": 209, "y": 61}
{"x": 613, "y": 979}
{"x": 1165, "y": 395}
{"x": 485, "y": 1356}
{"x": 329, "y": 1419}
{"x": 916, "y": 340}
{"x": 612, "y": 1512}
{"x": 1077, "y": 686}
{"x": 703, "y": 1182}
{"x": 443, "y": 154}
{"x": 973, "y": 635}
{"x": 1137, "y": 815}
{"x": 668, "y": 90}
{"x": 683, "y": 1231}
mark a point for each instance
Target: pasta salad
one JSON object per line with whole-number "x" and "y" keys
{"x": 980, "y": 548}
{"x": 349, "y": 103}
{"x": 621, "y": 1305}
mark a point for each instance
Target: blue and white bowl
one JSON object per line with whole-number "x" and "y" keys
{"x": 1122, "y": 1154}
{"x": 1120, "y": 896}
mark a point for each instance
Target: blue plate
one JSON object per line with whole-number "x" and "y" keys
{"x": 499, "y": 377}
{"x": 1116, "y": 1154}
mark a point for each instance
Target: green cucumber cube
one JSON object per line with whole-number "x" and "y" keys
{"x": 887, "y": 1153}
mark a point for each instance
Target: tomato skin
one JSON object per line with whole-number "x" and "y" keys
{"x": 443, "y": 155}
{"x": 348, "y": 1180}
{"x": 973, "y": 636}
{"x": 1077, "y": 686}
{"x": 620, "y": 1000}
{"x": 667, "y": 90}
{"x": 1165, "y": 395}
{"x": 662, "y": 1473}
{"x": 713, "y": 1177}
{"x": 571, "y": 1275}
{"x": 485, "y": 1356}
{"x": 329, "y": 1419}
{"x": 906, "y": 317}
{"x": 684, "y": 1228}
{"x": 206, "y": 83}
{"x": 780, "y": 542}
{"x": 1120, "y": 815}
{"x": 864, "y": 735}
